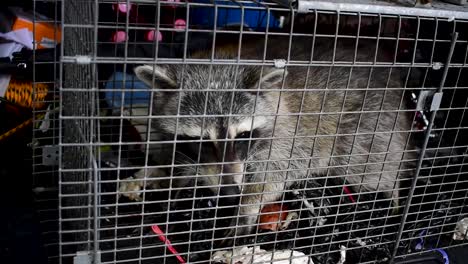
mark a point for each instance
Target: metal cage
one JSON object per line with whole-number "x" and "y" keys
{"x": 128, "y": 185}
{"x": 43, "y": 64}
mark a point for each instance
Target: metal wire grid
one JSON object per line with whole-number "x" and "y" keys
{"x": 76, "y": 207}
{"x": 45, "y": 131}
{"x": 94, "y": 216}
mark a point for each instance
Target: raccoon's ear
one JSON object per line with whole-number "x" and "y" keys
{"x": 155, "y": 77}
{"x": 271, "y": 76}
{"x": 274, "y": 76}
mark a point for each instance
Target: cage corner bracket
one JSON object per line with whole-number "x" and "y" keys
{"x": 280, "y": 63}
{"x": 50, "y": 155}
{"x": 302, "y": 8}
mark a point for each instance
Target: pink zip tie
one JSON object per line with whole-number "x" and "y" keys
{"x": 180, "y": 24}
{"x": 123, "y": 8}
{"x": 166, "y": 241}
{"x": 349, "y": 193}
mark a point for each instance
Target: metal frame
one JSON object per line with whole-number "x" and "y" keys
{"x": 404, "y": 8}
{"x": 92, "y": 218}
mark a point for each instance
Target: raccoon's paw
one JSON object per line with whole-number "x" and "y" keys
{"x": 131, "y": 189}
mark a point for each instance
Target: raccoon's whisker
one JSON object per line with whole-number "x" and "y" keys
{"x": 187, "y": 158}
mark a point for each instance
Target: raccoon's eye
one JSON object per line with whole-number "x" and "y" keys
{"x": 187, "y": 138}
{"x": 245, "y": 134}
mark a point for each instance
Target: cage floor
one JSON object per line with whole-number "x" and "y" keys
{"x": 367, "y": 228}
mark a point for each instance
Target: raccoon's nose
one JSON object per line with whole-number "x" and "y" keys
{"x": 230, "y": 169}
{"x": 230, "y": 189}
{"x": 233, "y": 172}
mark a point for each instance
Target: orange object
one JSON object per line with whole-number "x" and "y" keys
{"x": 17, "y": 128}
{"x": 25, "y": 94}
{"x": 46, "y": 34}
{"x": 272, "y": 215}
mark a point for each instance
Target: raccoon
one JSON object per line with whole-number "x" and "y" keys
{"x": 265, "y": 128}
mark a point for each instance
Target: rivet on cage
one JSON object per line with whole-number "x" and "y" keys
{"x": 25, "y": 94}
{"x": 280, "y": 63}
{"x": 437, "y": 65}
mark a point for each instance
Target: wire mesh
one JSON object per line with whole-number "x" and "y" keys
{"x": 43, "y": 65}
{"x": 316, "y": 132}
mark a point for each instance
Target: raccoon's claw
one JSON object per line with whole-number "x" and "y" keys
{"x": 291, "y": 216}
{"x": 228, "y": 239}
{"x": 227, "y": 235}
{"x": 131, "y": 190}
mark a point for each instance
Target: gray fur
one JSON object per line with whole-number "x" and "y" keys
{"x": 310, "y": 154}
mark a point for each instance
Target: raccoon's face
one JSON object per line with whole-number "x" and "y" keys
{"x": 223, "y": 115}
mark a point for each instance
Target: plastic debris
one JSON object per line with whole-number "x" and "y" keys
{"x": 461, "y": 229}
{"x": 248, "y": 255}
{"x": 360, "y": 242}
{"x": 342, "y": 255}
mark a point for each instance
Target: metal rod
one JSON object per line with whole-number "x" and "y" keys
{"x": 95, "y": 150}
{"x": 423, "y": 151}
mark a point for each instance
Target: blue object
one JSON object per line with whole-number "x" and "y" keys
{"x": 420, "y": 246}
{"x": 116, "y": 87}
{"x": 256, "y": 19}
{"x": 444, "y": 255}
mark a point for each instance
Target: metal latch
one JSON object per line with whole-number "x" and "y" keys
{"x": 427, "y": 101}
